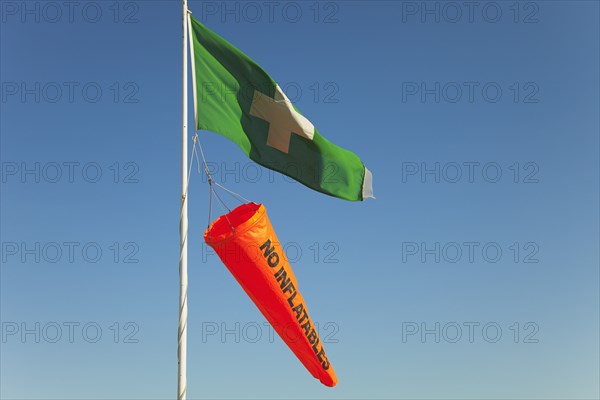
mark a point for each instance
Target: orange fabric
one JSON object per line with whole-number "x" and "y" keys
{"x": 246, "y": 243}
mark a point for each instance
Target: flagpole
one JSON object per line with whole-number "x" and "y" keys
{"x": 183, "y": 229}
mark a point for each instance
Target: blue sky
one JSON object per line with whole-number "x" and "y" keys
{"x": 474, "y": 274}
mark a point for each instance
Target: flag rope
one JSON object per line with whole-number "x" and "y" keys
{"x": 234, "y": 194}
{"x": 211, "y": 182}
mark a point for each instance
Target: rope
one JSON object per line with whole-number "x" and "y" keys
{"x": 187, "y": 184}
{"x": 239, "y": 196}
{"x": 209, "y": 205}
{"x": 204, "y": 164}
{"x": 183, "y": 201}
{"x": 212, "y": 182}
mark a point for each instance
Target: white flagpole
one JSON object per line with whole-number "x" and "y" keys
{"x": 183, "y": 229}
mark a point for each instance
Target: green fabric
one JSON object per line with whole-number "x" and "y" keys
{"x": 226, "y": 79}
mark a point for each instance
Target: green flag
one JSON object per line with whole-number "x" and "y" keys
{"x": 237, "y": 99}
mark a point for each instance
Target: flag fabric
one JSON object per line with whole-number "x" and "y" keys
{"x": 236, "y": 98}
{"x": 245, "y": 241}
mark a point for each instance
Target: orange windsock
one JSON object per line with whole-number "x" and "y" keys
{"x": 246, "y": 243}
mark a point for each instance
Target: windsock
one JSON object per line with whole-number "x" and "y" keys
{"x": 246, "y": 243}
